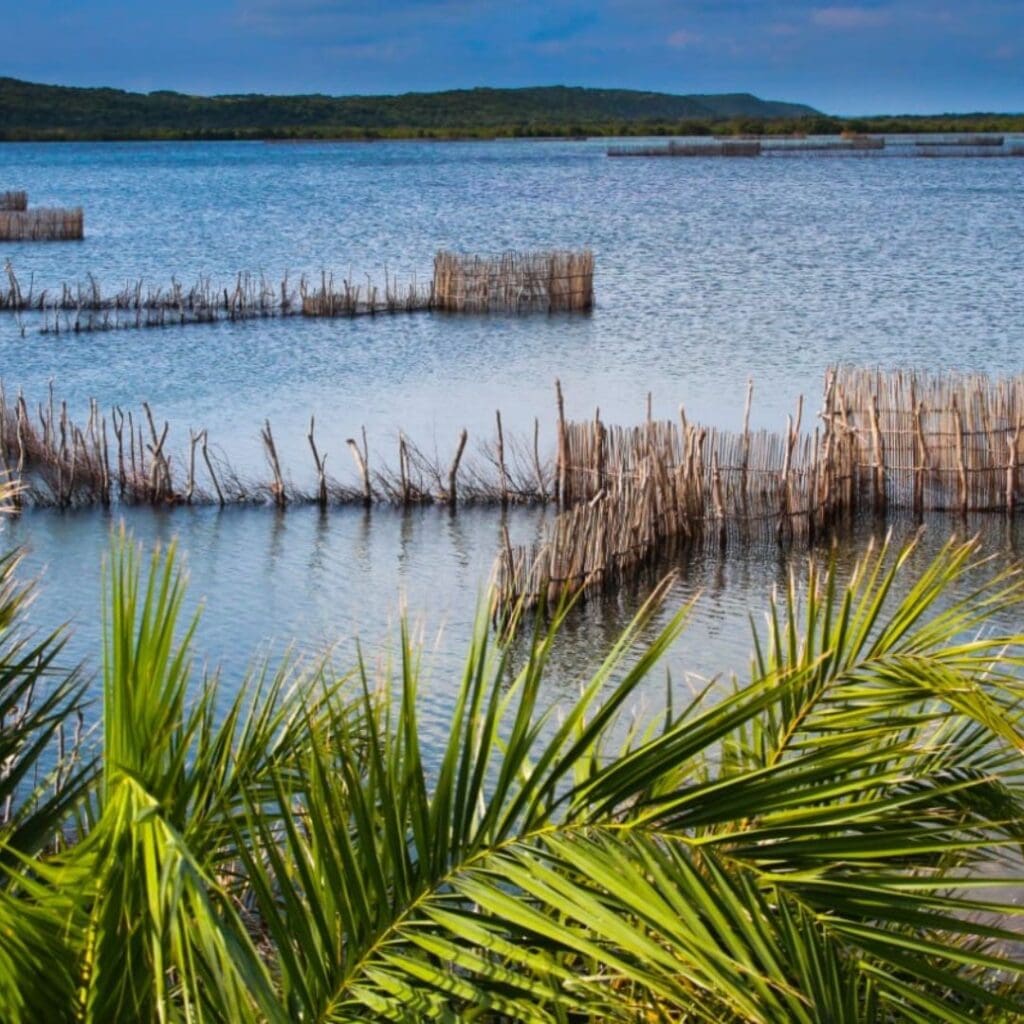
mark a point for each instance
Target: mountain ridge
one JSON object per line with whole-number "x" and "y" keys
{"x": 30, "y": 110}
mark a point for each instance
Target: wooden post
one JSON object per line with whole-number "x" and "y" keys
{"x": 501, "y": 460}
{"x": 745, "y": 457}
{"x": 277, "y": 489}
{"x": 921, "y": 460}
{"x": 193, "y": 440}
{"x": 106, "y": 461}
{"x": 878, "y": 476}
{"x": 209, "y": 469}
{"x": 1011, "y": 467}
{"x": 453, "y": 473}
{"x": 716, "y": 492}
{"x": 403, "y": 469}
{"x": 961, "y": 466}
{"x": 320, "y": 465}
{"x": 362, "y": 461}
{"x": 562, "y": 455}
{"x": 598, "y": 453}
{"x": 117, "y": 422}
{"x": 784, "y": 522}
{"x": 812, "y": 490}
{"x": 542, "y": 491}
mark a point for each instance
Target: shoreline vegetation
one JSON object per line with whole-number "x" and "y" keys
{"x": 44, "y": 113}
{"x": 833, "y": 836}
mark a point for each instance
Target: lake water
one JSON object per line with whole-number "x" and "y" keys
{"x": 708, "y": 272}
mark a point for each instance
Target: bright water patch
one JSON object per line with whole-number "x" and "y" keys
{"x": 707, "y": 273}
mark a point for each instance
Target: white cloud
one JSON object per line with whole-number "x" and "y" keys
{"x": 849, "y": 17}
{"x": 680, "y": 39}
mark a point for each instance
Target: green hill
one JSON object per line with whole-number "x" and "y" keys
{"x": 31, "y": 111}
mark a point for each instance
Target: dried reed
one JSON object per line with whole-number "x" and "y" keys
{"x": 933, "y": 441}
{"x": 552, "y": 282}
{"x": 886, "y": 441}
{"x": 747, "y": 148}
{"x": 972, "y": 146}
{"x": 966, "y": 140}
{"x": 42, "y": 225}
{"x": 558, "y": 281}
{"x": 127, "y": 457}
{"x": 13, "y": 201}
{"x": 351, "y": 300}
{"x": 966, "y": 151}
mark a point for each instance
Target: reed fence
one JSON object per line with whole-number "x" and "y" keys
{"x": 933, "y": 441}
{"x": 514, "y": 282}
{"x": 966, "y": 140}
{"x": 994, "y": 146}
{"x": 626, "y": 496}
{"x": 692, "y": 149}
{"x": 816, "y": 146}
{"x": 13, "y": 201}
{"x": 968, "y": 152}
{"x": 121, "y": 456}
{"x": 351, "y": 299}
{"x": 884, "y": 441}
{"x": 42, "y": 225}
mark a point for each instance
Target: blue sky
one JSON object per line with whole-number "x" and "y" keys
{"x": 844, "y": 57}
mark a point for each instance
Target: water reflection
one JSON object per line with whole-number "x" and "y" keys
{"x": 267, "y": 580}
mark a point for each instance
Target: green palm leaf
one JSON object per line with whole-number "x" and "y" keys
{"x": 836, "y": 838}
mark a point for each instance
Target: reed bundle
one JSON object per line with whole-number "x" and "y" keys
{"x": 42, "y": 225}
{"x": 557, "y": 281}
{"x": 630, "y": 495}
{"x": 13, "y": 201}
{"x": 627, "y": 496}
{"x": 854, "y": 146}
{"x": 933, "y": 441}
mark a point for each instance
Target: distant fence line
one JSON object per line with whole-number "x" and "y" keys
{"x": 867, "y": 145}
{"x": 886, "y": 440}
{"x": 690, "y": 149}
{"x": 510, "y": 283}
{"x": 936, "y": 152}
{"x": 966, "y": 140}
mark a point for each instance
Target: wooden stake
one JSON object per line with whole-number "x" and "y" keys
{"x": 454, "y": 471}
{"x": 362, "y": 462}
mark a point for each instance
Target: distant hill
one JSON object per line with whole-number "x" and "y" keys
{"x": 31, "y": 111}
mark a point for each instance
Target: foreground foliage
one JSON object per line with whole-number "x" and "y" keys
{"x": 835, "y": 838}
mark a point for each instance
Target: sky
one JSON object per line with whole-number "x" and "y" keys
{"x": 875, "y": 56}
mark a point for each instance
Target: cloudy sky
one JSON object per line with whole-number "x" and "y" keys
{"x": 850, "y": 58}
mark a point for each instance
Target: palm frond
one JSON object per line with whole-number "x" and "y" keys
{"x": 836, "y": 838}
{"x": 38, "y": 698}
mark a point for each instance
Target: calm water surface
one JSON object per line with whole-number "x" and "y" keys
{"x": 708, "y": 272}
